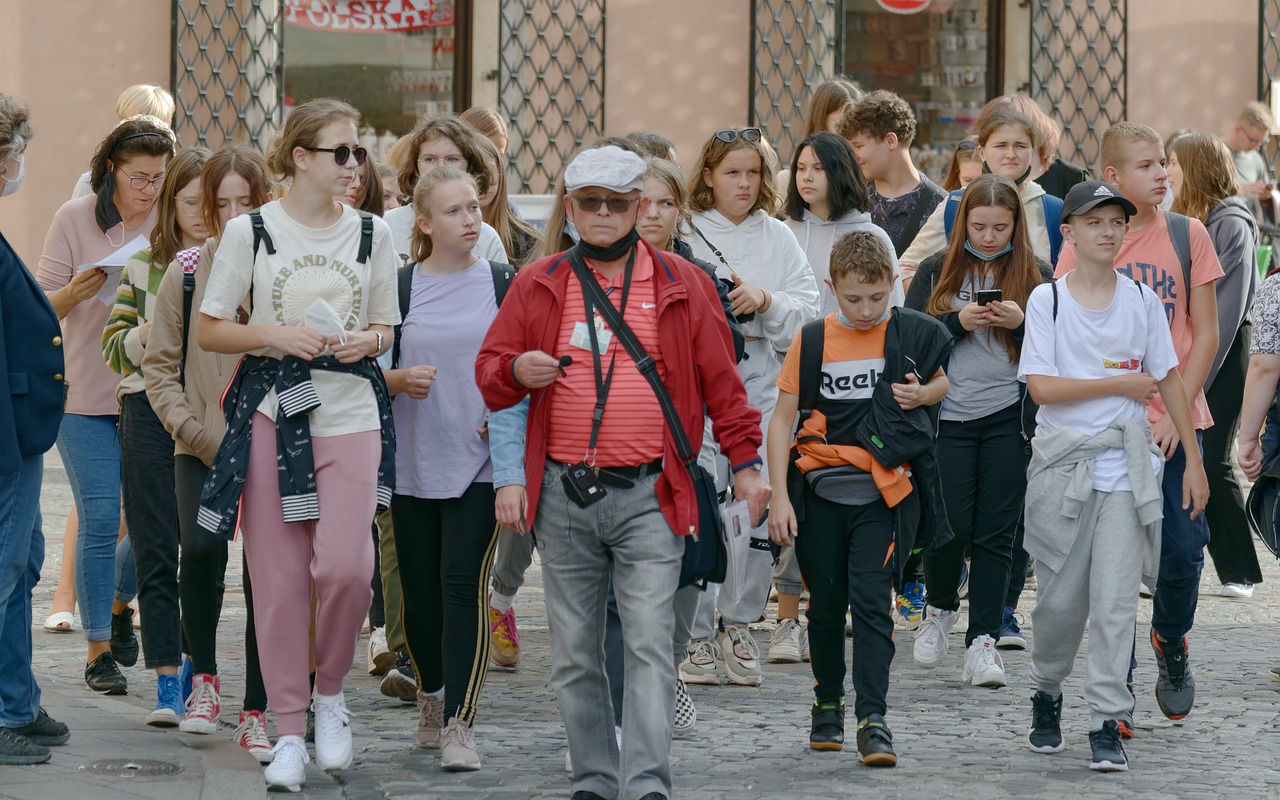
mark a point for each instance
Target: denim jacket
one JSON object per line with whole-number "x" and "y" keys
{"x": 506, "y": 444}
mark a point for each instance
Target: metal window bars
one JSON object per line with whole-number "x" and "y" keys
{"x": 795, "y": 46}
{"x": 551, "y": 85}
{"x": 227, "y": 70}
{"x": 1269, "y": 67}
{"x": 1078, "y": 55}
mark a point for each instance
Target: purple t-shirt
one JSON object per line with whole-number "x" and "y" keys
{"x": 438, "y": 452}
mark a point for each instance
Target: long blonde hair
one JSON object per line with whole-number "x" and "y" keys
{"x": 1208, "y": 175}
{"x": 419, "y": 242}
{"x": 518, "y": 237}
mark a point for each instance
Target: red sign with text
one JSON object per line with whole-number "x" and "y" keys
{"x": 904, "y": 6}
{"x": 368, "y": 16}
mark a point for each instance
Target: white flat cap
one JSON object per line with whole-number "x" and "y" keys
{"x": 608, "y": 167}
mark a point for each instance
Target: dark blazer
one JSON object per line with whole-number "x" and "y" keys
{"x": 32, "y": 389}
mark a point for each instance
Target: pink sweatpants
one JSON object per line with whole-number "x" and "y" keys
{"x": 334, "y": 554}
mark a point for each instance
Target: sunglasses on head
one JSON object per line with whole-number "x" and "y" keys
{"x": 966, "y": 145}
{"x": 341, "y": 153}
{"x": 746, "y": 134}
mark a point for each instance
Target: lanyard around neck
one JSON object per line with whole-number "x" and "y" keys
{"x": 603, "y": 381}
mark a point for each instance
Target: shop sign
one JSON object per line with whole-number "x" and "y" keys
{"x": 904, "y": 6}
{"x": 368, "y": 16}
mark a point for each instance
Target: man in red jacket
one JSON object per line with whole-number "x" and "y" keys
{"x": 593, "y": 410}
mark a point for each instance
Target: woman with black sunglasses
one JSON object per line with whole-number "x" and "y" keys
{"x": 733, "y": 200}
{"x": 309, "y": 424}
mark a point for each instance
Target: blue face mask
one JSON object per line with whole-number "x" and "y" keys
{"x": 843, "y": 320}
{"x": 978, "y": 254}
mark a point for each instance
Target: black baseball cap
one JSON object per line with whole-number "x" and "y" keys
{"x": 1084, "y": 197}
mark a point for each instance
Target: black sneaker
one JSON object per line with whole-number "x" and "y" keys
{"x": 399, "y": 682}
{"x": 1045, "y": 735}
{"x": 44, "y": 731}
{"x": 310, "y": 735}
{"x": 103, "y": 676}
{"x": 826, "y": 730}
{"x": 17, "y": 750}
{"x": 1175, "y": 688}
{"x": 875, "y": 742}
{"x": 124, "y": 643}
{"x": 1108, "y": 752}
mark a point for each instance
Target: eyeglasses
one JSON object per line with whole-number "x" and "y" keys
{"x": 190, "y": 206}
{"x": 140, "y": 182}
{"x": 616, "y": 205}
{"x": 431, "y": 162}
{"x": 1254, "y": 141}
{"x": 746, "y": 135}
{"x": 341, "y": 153}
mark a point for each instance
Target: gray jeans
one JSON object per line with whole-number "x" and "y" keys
{"x": 515, "y": 554}
{"x": 1098, "y": 585}
{"x": 577, "y": 547}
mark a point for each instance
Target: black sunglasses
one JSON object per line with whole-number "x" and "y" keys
{"x": 746, "y": 135}
{"x": 966, "y": 145}
{"x": 341, "y": 153}
{"x": 616, "y": 205}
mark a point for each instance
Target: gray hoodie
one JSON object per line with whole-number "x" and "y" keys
{"x": 817, "y": 236}
{"x": 1235, "y": 238}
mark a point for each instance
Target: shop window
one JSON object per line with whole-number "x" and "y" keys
{"x": 941, "y": 57}
{"x": 394, "y": 60}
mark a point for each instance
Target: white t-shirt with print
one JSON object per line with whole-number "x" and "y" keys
{"x": 1130, "y": 334}
{"x": 310, "y": 263}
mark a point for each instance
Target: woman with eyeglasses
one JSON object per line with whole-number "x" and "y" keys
{"x": 146, "y": 450}
{"x": 441, "y": 142}
{"x": 308, "y": 454}
{"x": 85, "y": 250}
{"x": 732, "y": 196}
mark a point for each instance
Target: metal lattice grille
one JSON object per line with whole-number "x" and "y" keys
{"x": 1078, "y": 54}
{"x": 227, "y": 70}
{"x": 795, "y": 46}
{"x": 551, "y": 85}
{"x": 1269, "y": 66}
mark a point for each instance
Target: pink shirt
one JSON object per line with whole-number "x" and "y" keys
{"x": 74, "y": 239}
{"x": 1148, "y": 256}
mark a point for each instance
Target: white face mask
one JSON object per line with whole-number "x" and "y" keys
{"x": 12, "y": 186}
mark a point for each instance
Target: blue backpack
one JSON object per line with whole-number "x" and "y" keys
{"x": 1052, "y": 219}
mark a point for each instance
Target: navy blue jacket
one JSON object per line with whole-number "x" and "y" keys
{"x": 32, "y": 389}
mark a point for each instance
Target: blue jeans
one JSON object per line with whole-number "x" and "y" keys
{"x": 21, "y": 557}
{"x": 90, "y": 452}
{"x": 577, "y": 547}
{"x": 1182, "y": 543}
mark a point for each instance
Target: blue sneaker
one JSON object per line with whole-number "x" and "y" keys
{"x": 185, "y": 674}
{"x": 910, "y": 604}
{"x": 962, "y": 591}
{"x": 169, "y": 709}
{"x": 1011, "y": 637}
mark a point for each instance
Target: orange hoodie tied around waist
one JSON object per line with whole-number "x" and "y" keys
{"x": 894, "y": 484}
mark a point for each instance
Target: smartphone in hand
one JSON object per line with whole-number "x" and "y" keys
{"x": 985, "y": 297}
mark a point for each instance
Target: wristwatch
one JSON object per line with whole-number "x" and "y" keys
{"x": 758, "y": 467}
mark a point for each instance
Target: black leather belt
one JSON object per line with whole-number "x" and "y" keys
{"x": 625, "y": 477}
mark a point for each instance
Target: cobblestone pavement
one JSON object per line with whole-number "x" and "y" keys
{"x": 752, "y": 743}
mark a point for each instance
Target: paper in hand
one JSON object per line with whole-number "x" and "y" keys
{"x": 321, "y": 317}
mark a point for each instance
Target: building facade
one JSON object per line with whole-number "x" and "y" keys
{"x": 566, "y": 71}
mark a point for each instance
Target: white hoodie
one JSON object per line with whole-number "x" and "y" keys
{"x": 766, "y": 255}
{"x": 488, "y": 244}
{"x": 817, "y": 236}
{"x": 933, "y": 235}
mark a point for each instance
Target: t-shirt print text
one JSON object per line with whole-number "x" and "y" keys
{"x": 851, "y": 380}
{"x": 1160, "y": 281}
{"x": 1130, "y": 365}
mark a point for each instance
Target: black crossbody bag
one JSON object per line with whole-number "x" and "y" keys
{"x": 705, "y": 558}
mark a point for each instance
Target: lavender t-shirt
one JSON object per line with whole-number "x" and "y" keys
{"x": 438, "y": 452}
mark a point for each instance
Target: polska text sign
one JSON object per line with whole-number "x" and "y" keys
{"x": 368, "y": 16}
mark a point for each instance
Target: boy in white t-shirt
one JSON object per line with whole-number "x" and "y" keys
{"x": 1096, "y": 352}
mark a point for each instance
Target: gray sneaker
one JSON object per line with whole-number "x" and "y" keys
{"x": 458, "y": 747}
{"x": 430, "y": 720}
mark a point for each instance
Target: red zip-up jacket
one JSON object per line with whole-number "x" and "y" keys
{"x": 697, "y": 351}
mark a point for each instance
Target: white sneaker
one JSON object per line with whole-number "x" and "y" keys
{"x": 380, "y": 658}
{"x": 784, "y": 644}
{"x": 333, "y": 732}
{"x": 741, "y": 655}
{"x": 700, "y": 663}
{"x": 458, "y": 747}
{"x": 1240, "y": 590}
{"x": 804, "y": 642}
{"x": 288, "y": 767}
{"x": 430, "y": 721}
{"x": 983, "y": 665}
{"x": 931, "y": 639}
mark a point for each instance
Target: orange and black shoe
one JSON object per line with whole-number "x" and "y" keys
{"x": 1175, "y": 688}
{"x": 875, "y": 742}
{"x": 827, "y": 729}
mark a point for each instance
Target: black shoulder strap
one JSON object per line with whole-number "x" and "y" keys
{"x": 260, "y": 235}
{"x": 1054, "y": 284}
{"x": 366, "y": 237}
{"x": 188, "y": 290}
{"x": 714, "y": 249}
{"x": 1180, "y": 237}
{"x": 812, "y": 341}
{"x": 644, "y": 362}
{"x": 928, "y": 190}
{"x": 503, "y": 275}
{"x": 404, "y": 287}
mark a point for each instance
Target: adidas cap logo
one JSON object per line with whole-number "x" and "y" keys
{"x": 1102, "y": 191}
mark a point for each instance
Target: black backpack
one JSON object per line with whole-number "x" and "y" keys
{"x": 503, "y": 274}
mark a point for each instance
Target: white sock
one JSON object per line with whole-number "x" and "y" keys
{"x": 329, "y": 699}
{"x": 438, "y": 694}
{"x": 501, "y": 602}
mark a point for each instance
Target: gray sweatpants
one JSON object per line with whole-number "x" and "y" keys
{"x": 1098, "y": 584}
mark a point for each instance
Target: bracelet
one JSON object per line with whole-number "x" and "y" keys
{"x": 768, "y": 302}
{"x": 378, "y": 351}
